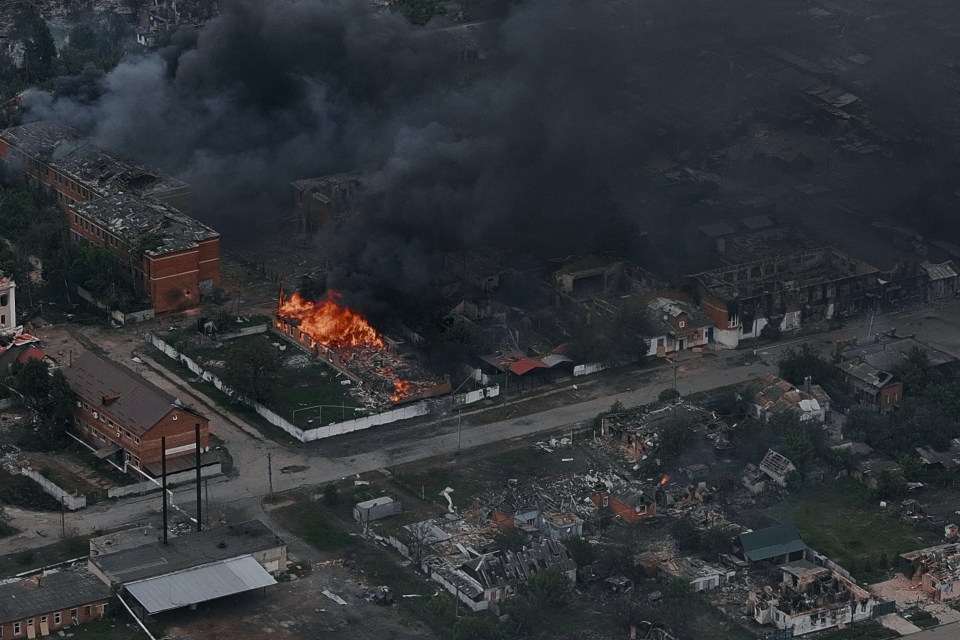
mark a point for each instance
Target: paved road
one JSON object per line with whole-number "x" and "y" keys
{"x": 297, "y": 466}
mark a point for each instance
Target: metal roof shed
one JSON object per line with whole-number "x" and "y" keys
{"x": 200, "y": 584}
{"x": 772, "y": 542}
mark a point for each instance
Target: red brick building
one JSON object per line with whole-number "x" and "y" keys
{"x": 124, "y": 416}
{"x": 173, "y": 256}
{"x": 42, "y": 605}
{"x": 632, "y": 507}
{"x": 135, "y": 212}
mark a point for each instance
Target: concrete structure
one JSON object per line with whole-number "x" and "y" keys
{"x": 44, "y": 604}
{"x": 8, "y": 304}
{"x": 784, "y": 291}
{"x": 376, "y": 509}
{"x": 701, "y": 575}
{"x": 123, "y": 415}
{"x": 810, "y": 598}
{"x": 318, "y": 201}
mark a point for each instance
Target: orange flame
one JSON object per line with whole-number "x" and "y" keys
{"x": 401, "y": 389}
{"x": 664, "y": 480}
{"x": 329, "y": 323}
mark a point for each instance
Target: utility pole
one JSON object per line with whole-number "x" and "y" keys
{"x": 63, "y": 514}
{"x": 270, "y": 472}
{"x": 163, "y": 472}
{"x": 459, "y": 426}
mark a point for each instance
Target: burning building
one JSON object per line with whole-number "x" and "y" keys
{"x": 345, "y": 340}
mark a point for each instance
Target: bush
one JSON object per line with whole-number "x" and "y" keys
{"x": 668, "y": 394}
{"x": 331, "y": 495}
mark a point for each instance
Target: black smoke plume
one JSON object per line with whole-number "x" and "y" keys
{"x": 538, "y": 151}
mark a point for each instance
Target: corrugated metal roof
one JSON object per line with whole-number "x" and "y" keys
{"x": 941, "y": 271}
{"x": 526, "y": 365}
{"x": 771, "y": 542}
{"x": 200, "y": 584}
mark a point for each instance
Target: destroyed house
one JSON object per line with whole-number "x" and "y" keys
{"x": 44, "y": 604}
{"x": 784, "y": 291}
{"x": 124, "y": 418}
{"x": 629, "y": 506}
{"x": 680, "y": 325}
{"x": 638, "y": 429}
{"x": 482, "y": 581}
{"x": 319, "y": 201}
{"x": 943, "y": 280}
{"x": 699, "y": 574}
{"x": 936, "y": 570}
{"x": 775, "y": 395}
{"x": 777, "y": 467}
{"x": 810, "y": 598}
{"x": 173, "y": 257}
{"x": 778, "y": 544}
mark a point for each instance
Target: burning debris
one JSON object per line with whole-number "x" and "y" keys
{"x": 345, "y": 339}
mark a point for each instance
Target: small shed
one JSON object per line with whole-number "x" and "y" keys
{"x": 376, "y": 509}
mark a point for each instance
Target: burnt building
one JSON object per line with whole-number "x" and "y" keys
{"x": 783, "y": 291}
{"x": 134, "y": 212}
{"x": 173, "y": 258}
{"x": 319, "y": 201}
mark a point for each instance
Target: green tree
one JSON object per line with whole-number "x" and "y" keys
{"x": 49, "y": 399}
{"x": 419, "y": 12}
{"x": 668, "y": 394}
{"x": 582, "y": 551}
{"x": 796, "y": 365}
{"x": 915, "y": 371}
{"x": 479, "y": 627}
{"x": 685, "y": 533}
{"x": 40, "y": 51}
{"x": 510, "y": 539}
{"x": 677, "y": 588}
{"x": 331, "y": 496}
{"x": 860, "y": 422}
{"x": 252, "y": 370}
{"x": 548, "y": 588}
{"x": 890, "y": 485}
{"x": 714, "y": 541}
{"x": 676, "y": 436}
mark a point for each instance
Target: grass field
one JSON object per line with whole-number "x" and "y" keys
{"x": 68, "y": 549}
{"x": 842, "y": 520}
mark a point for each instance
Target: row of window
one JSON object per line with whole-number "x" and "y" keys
{"x": 18, "y": 627}
{"x": 121, "y": 432}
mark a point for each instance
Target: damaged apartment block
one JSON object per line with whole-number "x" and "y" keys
{"x": 135, "y": 213}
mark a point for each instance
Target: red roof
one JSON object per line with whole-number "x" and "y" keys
{"x": 526, "y": 365}
{"x": 30, "y": 353}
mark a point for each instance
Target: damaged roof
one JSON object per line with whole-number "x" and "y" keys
{"x": 137, "y": 219}
{"x": 63, "y": 149}
{"x": 53, "y": 591}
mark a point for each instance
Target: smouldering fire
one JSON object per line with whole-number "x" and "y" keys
{"x": 401, "y": 389}
{"x": 664, "y": 480}
{"x": 330, "y": 323}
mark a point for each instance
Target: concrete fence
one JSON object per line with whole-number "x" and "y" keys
{"x": 405, "y": 412}
{"x": 71, "y": 502}
{"x": 587, "y": 369}
{"x": 147, "y": 486}
{"x": 246, "y": 331}
{"x": 117, "y": 315}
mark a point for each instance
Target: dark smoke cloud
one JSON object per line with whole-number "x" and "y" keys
{"x": 538, "y": 155}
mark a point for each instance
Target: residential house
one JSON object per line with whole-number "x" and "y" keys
{"x": 779, "y": 544}
{"x": 124, "y": 417}
{"x": 42, "y": 605}
{"x": 936, "y": 570}
{"x": 943, "y": 280}
{"x": 941, "y": 460}
{"x": 810, "y": 598}
{"x": 483, "y": 580}
{"x": 777, "y": 467}
{"x": 776, "y": 395}
{"x": 871, "y": 386}
{"x": 630, "y": 506}
{"x": 869, "y": 471}
{"x": 701, "y": 575}
{"x": 679, "y": 325}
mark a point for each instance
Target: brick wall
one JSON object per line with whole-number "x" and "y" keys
{"x": 210, "y": 260}
{"x": 83, "y": 613}
{"x": 174, "y": 280}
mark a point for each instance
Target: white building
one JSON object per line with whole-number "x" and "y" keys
{"x": 8, "y": 304}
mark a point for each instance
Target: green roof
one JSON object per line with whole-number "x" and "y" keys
{"x": 771, "y": 542}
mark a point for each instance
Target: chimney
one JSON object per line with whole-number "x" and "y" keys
{"x": 806, "y": 385}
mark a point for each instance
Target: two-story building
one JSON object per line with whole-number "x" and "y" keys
{"x": 125, "y": 417}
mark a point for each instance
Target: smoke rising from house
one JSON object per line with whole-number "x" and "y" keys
{"x": 538, "y": 153}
